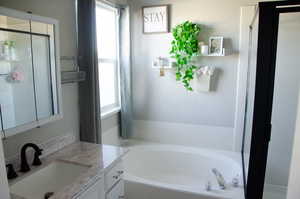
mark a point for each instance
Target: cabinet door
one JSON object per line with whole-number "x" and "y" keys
{"x": 96, "y": 191}
{"x": 117, "y": 191}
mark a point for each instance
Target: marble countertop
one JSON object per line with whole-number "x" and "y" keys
{"x": 98, "y": 158}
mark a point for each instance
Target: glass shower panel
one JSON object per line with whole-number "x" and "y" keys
{"x": 285, "y": 101}
{"x": 42, "y": 69}
{"x": 17, "y": 99}
{"x": 250, "y": 92}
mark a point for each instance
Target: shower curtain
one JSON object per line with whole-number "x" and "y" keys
{"x": 89, "y": 100}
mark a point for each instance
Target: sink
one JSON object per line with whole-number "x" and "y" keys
{"x": 52, "y": 178}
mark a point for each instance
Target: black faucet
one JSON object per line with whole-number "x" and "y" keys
{"x": 11, "y": 173}
{"x": 36, "y": 161}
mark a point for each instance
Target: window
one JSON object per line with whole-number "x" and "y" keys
{"x": 108, "y": 57}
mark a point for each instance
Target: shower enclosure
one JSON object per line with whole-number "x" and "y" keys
{"x": 273, "y": 81}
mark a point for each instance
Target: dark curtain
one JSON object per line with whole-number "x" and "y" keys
{"x": 89, "y": 102}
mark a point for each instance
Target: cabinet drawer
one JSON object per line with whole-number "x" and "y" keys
{"x": 113, "y": 176}
{"x": 117, "y": 192}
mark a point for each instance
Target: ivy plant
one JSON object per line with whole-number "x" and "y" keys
{"x": 184, "y": 48}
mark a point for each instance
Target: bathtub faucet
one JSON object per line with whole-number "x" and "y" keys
{"x": 220, "y": 179}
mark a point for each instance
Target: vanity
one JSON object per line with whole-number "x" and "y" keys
{"x": 78, "y": 171}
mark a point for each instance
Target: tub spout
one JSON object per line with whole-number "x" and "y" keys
{"x": 220, "y": 179}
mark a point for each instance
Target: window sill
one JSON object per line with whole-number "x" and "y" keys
{"x": 110, "y": 113}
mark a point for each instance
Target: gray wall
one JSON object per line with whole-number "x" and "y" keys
{"x": 158, "y": 98}
{"x": 159, "y": 103}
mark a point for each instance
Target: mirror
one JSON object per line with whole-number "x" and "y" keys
{"x": 29, "y": 72}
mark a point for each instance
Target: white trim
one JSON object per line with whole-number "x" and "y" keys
{"x": 116, "y": 62}
{"x": 247, "y": 13}
{"x": 110, "y": 113}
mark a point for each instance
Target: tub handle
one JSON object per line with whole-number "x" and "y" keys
{"x": 121, "y": 197}
{"x": 120, "y": 172}
{"x": 116, "y": 177}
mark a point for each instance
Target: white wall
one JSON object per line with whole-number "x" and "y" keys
{"x": 163, "y": 100}
{"x": 111, "y": 130}
{"x": 294, "y": 177}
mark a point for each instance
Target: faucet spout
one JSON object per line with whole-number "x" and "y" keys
{"x": 36, "y": 161}
{"x": 220, "y": 179}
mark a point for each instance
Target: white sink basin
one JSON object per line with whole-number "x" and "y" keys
{"x": 49, "y": 179}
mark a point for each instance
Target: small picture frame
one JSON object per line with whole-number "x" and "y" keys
{"x": 216, "y": 45}
{"x": 155, "y": 19}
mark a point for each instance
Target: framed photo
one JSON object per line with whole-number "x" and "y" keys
{"x": 216, "y": 45}
{"x": 156, "y": 19}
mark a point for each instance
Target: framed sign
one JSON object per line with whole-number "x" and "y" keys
{"x": 156, "y": 19}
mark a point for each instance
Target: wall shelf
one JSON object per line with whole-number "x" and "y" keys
{"x": 224, "y": 53}
{"x": 72, "y": 77}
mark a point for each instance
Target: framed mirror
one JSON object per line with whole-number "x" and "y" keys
{"x": 30, "y": 87}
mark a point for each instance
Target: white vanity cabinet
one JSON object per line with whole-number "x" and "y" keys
{"x": 95, "y": 191}
{"x": 114, "y": 183}
{"x": 110, "y": 186}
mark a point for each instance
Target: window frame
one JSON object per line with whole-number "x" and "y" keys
{"x": 113, "y": 108}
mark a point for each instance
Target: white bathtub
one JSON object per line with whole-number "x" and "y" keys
{"x": 176, "y": 172}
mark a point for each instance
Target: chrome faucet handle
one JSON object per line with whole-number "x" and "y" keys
{"x": 220, "y": 179}
{"x": 208, "y": 186}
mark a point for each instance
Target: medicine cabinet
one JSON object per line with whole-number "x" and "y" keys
{"x": 30, "y": 88}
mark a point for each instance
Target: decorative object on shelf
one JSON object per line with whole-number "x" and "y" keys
{"x": 15, "y": 76}
{"x": 162, "y": 63}
{"x": 202, "y": 82}
{"x": 8, "y": 51}
{"x": 156, "y": 19}
{"x": 216, "y": 46}
{"x": 184, "y": 48}
{"x": 204, "y": 48}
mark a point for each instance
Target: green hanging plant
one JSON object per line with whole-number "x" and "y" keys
{"x": 184, "y": 48}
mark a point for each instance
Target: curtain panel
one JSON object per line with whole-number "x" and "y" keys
{"x": 89, "y": 100}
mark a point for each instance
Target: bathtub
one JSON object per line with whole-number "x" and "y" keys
{"x": 155, "y": 171}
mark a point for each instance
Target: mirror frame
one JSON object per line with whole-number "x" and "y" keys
{"x": 37, "y": 123}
